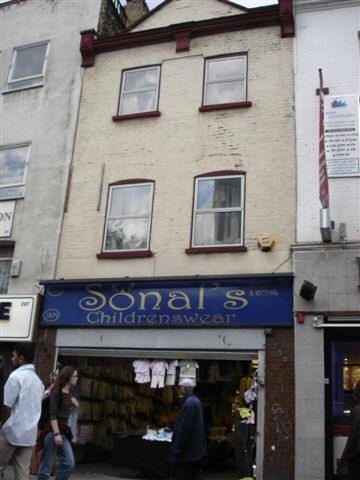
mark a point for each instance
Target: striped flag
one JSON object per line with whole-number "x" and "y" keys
{"x": 323, "y": 177}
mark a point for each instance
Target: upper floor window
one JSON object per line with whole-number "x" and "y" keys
{"x": 128, "y": 217}
{"x": 27, "y": 67}
{"x": 225, "y": 80}
{"x": 139, "y": 90}
{"x": 13, "y": 164}
{"x": 218, "y": 211}
{"x": 6, "y": 254}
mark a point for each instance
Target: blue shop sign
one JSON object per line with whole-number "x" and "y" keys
{"x": 203, "y": 302}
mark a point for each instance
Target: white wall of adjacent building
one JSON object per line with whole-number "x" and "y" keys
{"x": 327, "y": 38}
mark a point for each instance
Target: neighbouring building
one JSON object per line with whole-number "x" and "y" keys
{"x": 41, "y": 78}
{"x": 327, "y": 333}
{"x": 175, "y": 244}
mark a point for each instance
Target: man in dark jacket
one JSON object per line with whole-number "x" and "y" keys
{"x": 189, "y": 438}
{"x": 2, "y": 383}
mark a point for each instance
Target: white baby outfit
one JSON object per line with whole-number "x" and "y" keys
{"x": 142, "y": 371}
{"x": 171, "y": 372}
{"x": 158, "y": 369}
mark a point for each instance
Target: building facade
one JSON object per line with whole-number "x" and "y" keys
{"x": 327, "y": 342}
{"x": 176, "y": 238}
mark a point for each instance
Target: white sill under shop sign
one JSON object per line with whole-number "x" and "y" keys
{"x": 18, "y": 315}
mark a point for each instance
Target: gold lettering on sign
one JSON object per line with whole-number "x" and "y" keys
{"x": 143, "y": 297}
{"x": 201, "y": 297}
{"x": 93, "y": 303}
{"x": 178, "y": 295}
{"x": 236, "y": 300}
{"x": 116, "y": 296}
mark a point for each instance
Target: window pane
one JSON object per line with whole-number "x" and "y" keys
{"x": 139, "y": 102}
{"x": 129, "y": 234}
{"x": 12, "y": 165}
{"x": 219, "y": 193}
{"x": 217, "y": 228}
{"x": 139, "y": 79}
{"x": 227, "y": 92}
{"x": 130, "y": 201}
{"x": 225, "y": 69}
{"x": 29, "y": 61}
{"x": 25, "y": 83}
{"x": 4, "y": 275}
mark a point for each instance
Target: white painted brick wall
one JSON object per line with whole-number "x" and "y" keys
{"x": 179, "y": 145}
{"x": 326, "y": 39}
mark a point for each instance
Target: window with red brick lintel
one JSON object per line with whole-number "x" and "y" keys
{"x": 218, "y": 213}
{"x": 128, "y": 219}
{"x": 225, "y": 83}
{"x": 139, "y": 93}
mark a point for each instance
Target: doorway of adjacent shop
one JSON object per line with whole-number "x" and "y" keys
{"x": 342, "y": 368}
{"x": 124, "y": 427}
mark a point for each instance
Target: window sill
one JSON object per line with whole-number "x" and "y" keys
{"x": 223, "y": 106}
{"x": 196, "y": 250}
{"x": 134, "y": 254}
{"x": 131, "y": 116}
{"x": 5, "y": 92}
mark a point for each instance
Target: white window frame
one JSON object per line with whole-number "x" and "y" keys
{"x": 232, "y": 79}
{"x": 124, "y": 217}
{"x": 219, "y": 210}
{"x": 23, "y": 183}
{"x": 23, "y": 79}
{"x": 142, "y": 69}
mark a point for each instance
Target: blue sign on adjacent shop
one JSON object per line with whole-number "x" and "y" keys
{"x": 203, "y": 302}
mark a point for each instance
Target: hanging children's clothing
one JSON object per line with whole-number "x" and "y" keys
{"x": 142, "y": 371}
{"x": 158, "y": 369}
{"x": 188, "y": 370}
{"x": 171, "y": 372}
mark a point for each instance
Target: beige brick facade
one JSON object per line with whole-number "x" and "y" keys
{"x": 177, "y": 146}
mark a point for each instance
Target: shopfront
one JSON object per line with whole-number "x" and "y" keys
{"x": 217, "y": 327}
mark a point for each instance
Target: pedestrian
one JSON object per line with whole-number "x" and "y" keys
{"x": 188, "y": 445}
{"x": 23, "y": 393}
{"x": 56, "y": 436}
{"x": 351, "y": 453}
{"x": 2, "y": 382}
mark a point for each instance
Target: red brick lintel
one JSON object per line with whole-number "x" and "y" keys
{"x": 129, "y": 254}
{"x": 90, "y": 45}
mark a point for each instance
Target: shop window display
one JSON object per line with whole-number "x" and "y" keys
{"x": 132, "y": 404}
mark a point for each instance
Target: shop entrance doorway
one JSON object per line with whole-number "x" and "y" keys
{"x": 127, "y": 425}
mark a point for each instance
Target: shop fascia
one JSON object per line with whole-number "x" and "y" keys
{"x": 170, "y": 302}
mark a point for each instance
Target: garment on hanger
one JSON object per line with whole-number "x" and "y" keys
{"x": 158, "y": 370}
{"x": 171, "y": 372}
{"x": 188, "y": 370}
{"x": 142, "y": 371}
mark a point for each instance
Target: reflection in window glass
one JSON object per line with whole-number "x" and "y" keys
{"x": 225, "y": 80}
{"x": 27, "y": 67}
{"x": 218, "y": 216}
{"x": 5, "y": 266}
{"x": 140, "y": 90}
{"x": 129, "y": 216}
{"x": 13, "y": 162}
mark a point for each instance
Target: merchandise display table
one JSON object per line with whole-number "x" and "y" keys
{"x": 149, "y": 457}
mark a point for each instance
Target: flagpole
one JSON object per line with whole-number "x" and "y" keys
{"x": 325, "y": 221}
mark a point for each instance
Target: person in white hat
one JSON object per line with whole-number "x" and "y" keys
{"x": 188, "y": 445}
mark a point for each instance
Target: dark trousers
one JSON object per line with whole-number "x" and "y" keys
{"x": 243, "y": 453}
{"x": 354, "y": 468}
{"x": 188, "y": 470}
